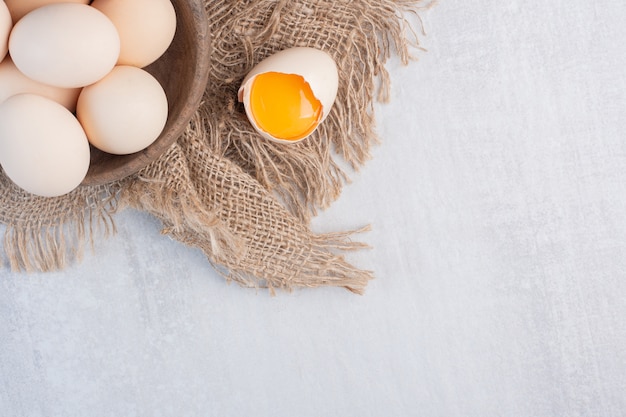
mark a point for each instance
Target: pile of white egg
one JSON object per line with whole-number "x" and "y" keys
{"x": 71, "y": 75}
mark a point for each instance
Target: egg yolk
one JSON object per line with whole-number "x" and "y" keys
{"x": 284, "y": 106}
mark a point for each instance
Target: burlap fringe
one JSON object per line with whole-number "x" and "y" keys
{"x": 252, "y": 239}
{"x": 174, "y": 201}
{"x": 361, "y": 36}
{"x": 32, "y": 246}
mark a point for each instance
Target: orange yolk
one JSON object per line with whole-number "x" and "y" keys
{"x": 284, "y": 106}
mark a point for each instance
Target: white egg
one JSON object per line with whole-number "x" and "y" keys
{"x": 43, "y": 148}
{"x": 287, "y": 95}
{"x": 146, "y": 28}
{"x": 19, "y": 8}
{"x": 124, "y": 112}
{"x": 13, "y": 81}
{"x": 6, "y": 24}
{"x": 65, "y": 45}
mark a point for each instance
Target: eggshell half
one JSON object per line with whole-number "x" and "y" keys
{"x": 65, "y": 45}
{"x": 317, "y": 68}
{"x": 43, "y": 148}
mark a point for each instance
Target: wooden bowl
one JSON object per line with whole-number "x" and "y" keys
{"x": 183, "y": 72}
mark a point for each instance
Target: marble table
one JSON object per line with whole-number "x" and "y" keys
{"x": 498, "y": 206}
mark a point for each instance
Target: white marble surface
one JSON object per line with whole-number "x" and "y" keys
{"x": 499, "y": 211}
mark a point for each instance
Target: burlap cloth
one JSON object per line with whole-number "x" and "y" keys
{"x": 243, "y": 200}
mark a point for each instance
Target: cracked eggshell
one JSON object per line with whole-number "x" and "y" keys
{"x": 317, "y": 68}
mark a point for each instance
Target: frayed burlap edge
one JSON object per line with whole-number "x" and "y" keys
{"x": 50, "y": 233}
{"x": 252, "y": 239}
